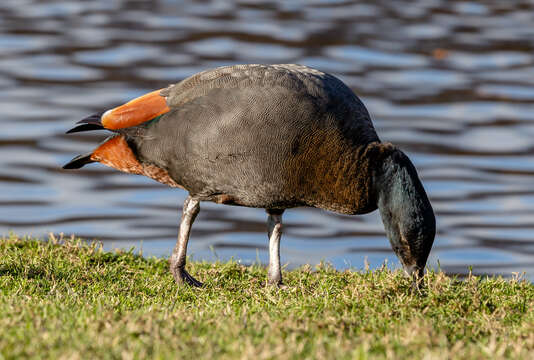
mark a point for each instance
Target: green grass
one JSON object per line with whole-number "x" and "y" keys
{"x": 76, "y": 301}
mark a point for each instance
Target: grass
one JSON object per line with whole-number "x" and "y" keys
{"x": 74, "y": 301}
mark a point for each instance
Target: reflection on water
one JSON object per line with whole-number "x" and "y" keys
{"x": 451, "y": 82}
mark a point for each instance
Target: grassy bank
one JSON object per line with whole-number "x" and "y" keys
{"x": 74, "y": 301}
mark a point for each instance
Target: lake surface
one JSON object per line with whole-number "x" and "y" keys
{"x": 450, "y": 82}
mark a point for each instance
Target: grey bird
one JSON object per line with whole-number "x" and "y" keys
{"x": 272, "y": 137}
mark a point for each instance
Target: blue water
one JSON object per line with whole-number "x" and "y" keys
{"x": 450, "y": 82}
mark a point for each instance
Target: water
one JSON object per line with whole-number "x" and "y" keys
{"x": 450, "y": 82}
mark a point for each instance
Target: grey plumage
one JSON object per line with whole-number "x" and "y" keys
{"x": 276, "y": 137}
{"x": 233, "y": 130}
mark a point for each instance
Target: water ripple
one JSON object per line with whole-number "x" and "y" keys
{"x": 450, "y": 82}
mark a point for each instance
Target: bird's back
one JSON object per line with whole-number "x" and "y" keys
{"x": 263, "y": 136}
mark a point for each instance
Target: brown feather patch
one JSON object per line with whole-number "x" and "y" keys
{"x": 136, "y": 111}
{"x": 116, "y": 153}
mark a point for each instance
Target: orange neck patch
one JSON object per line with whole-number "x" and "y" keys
{"x": 117, "y": 154}
{"x": 136, "y": 111}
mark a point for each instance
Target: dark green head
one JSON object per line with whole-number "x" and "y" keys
{"x": 405, "y": 210}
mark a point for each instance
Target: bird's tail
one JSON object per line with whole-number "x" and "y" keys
{"x": 93, "y": 122}
{"x": 79, "y": 161}
{"x": 115, "y": 151}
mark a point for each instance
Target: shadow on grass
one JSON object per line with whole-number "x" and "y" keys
{"x": 32, "y": 272}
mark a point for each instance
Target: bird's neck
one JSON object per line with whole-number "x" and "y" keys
{"x": 405, "y": 209}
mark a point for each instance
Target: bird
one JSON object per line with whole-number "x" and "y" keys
{"x": 267, "y": 136}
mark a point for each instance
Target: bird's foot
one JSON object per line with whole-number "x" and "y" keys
{"x": 275, "y": 280}
{"x": 277, "y": 285}
{"x": 181, "y": 276}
